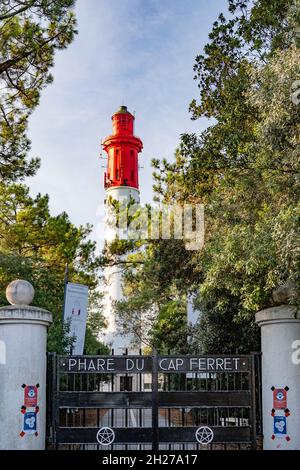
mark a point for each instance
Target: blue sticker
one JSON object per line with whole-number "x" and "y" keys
{"x": 280, "y": 426}
{"x": 29, "y": 422}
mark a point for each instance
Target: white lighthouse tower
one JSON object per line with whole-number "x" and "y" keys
{"x": 121, "y": 184}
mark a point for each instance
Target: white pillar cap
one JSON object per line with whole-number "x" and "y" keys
{"x": 25, "y": 314}
{"x": 280, "y": 314}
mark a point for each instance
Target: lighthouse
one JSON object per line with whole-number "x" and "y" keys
{"x": 121, "y": 184}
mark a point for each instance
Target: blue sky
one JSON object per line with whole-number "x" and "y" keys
{"x": 134, "y": 52}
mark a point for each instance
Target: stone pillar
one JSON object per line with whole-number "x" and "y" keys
{"x": 280, "y": 341}
{"x": 23, "y": 336}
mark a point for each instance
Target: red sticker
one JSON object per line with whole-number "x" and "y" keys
{"x": 30, "y": 396}
{"x": 279, "y": 399}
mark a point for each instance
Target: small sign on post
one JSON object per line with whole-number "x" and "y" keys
{"x": 75, "y": 311}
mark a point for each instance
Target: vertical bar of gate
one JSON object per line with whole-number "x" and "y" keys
{"x": 112, "y": 387}
{"x": 126, "y": 409}
{"x": 259, "y": 392}
{"x": 155, "y": 423}
{"x": 49, "y": 409}
{"x": 253, "y": 399}
{"x": 54, "y": 399}
{"x": 140, "y": 389}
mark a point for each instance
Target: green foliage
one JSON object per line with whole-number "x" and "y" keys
{"x": 95, "y": 323}
{"x": 33, "y": 244}
{"x": 169, "y": 331}
{"x": 245, "y": 169}
{"x": 154, "y": 308}
{"x": 31, "y": 32}
{"x": 92, "y": 346}
{"x": 37, "y": 246}
{"x": 218, "y": 331}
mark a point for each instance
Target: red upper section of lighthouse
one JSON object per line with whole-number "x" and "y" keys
{"x": 122, "y": 148}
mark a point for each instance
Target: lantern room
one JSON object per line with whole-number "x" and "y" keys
{"x": 122, "y": 148}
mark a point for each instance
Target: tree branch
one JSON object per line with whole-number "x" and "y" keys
{"x": 11, "y": 62}
{"x": 17, "y": 12}
{"x": 15, "y": 85}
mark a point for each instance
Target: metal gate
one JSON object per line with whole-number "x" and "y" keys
{"x": 153, "y": 402}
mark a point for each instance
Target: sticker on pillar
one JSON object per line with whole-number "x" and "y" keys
{"x": 29, "y": 424}
{"x": 279, "y": 398}
{"x": 30, "y": 396}
{"x": 280, "y": 428}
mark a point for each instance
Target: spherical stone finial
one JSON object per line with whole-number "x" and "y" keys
{"x": 19, "y": 292}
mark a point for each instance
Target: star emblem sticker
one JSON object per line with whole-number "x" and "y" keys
{"x": 204, "y": 435}
{"x": 105, "y": 436}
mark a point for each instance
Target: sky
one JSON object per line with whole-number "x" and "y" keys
{"x": 139, "y": 53}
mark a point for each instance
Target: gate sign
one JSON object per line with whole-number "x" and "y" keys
{"x": 279, "y": 399}
{"x": 30, "y": 396}
{"x": 165, "y": 364}
{"x": 75, "y": 311}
